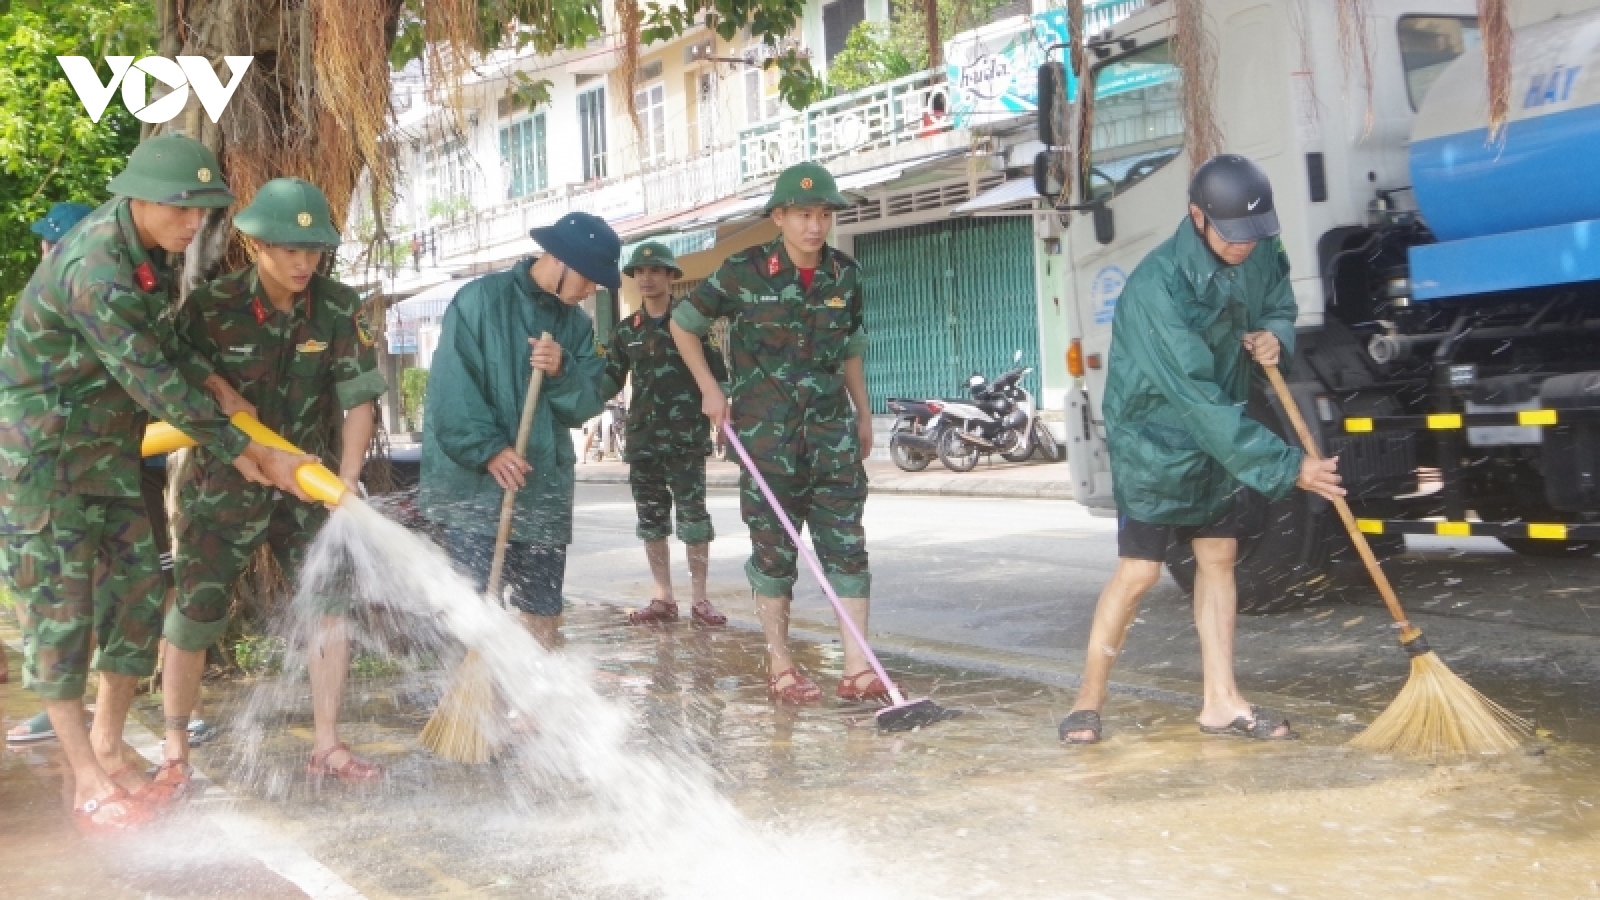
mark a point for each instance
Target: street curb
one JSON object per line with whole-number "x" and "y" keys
{"x": 919, "y": 485}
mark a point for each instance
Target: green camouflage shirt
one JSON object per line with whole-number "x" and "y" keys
{"x": 787, "y": 351}
{"x": 92, "y": 353}
{"x": 664, "y": 410}
{"x": 301, "y": 369}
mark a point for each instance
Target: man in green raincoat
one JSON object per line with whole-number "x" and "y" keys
{"x": 1195, "y": 317}
{"x": 475, "y": 394}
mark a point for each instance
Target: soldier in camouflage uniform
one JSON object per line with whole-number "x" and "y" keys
{"x": 799, "y": 404}
{"x": 91, "y": 354}
{"x": 297, "y": 348}
{"x": 668, "y": 439}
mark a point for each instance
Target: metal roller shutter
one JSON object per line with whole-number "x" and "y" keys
{"x": 945, "y": 300}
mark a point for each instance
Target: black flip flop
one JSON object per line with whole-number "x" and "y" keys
{"x": 1080, "y": 720}
{"x": 1256, "y": 728}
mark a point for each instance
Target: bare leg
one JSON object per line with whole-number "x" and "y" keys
{"x": 1113, "y": 615}
{"x": 855, "y": 658}
{"x": 180, "y": 692}
{"x": 66, "y": 717}
{"x": 1216, "y": 605}
{"x": 660, "y": 557}
{"x": 110, "y": 714}
{"x": 774, "y": 612}
{"x": 545, "y": 629}
{"x": 329, "y": 664}
{"x": 699, "y": 563}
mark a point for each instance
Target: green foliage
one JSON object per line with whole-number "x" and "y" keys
{"x": 908, "y": 29}
{"x": 867, "y": 59}
{"x": 549, "y": 25}
{"x": 413, "y": 388}
{"x": 49, "y": 149}
{"x": 528, "y": 92}
{"x": 259, "y": 654}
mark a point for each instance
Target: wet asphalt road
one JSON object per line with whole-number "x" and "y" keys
{"x": 1013, "y": 584}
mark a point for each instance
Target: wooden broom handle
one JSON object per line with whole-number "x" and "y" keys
{"x": 508, "y": 503}
{"x": 1356, "y": 536}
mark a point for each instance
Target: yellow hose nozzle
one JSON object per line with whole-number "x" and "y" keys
{"x": 317, "y": 480}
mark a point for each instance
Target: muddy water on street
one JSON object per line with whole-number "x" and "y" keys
{"x": 986, "y": 805}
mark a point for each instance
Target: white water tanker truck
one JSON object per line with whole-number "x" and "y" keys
{"x": 1448, "y": 280}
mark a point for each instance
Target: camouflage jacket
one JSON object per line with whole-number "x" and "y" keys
{"x": 664, "y": 409}
{"x": 93, "y": 353}
{"x": 301, "y": 369}
{"x": 787, "y": 348}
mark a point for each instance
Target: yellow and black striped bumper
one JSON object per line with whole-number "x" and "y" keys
{"x": 1544, "y": 531}
{"x": 1528, "y": 418}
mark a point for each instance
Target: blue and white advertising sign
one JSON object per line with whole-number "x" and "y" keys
{"x": 1104, "y": 291}
{"x": 992, "y": 72}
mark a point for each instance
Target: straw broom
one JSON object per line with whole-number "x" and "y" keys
{"x": 1436, "y": 714}
{"x": 458, "y": 729}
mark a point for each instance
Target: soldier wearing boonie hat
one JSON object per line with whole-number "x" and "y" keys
{"x": 667, "y": 438}
{"x": 476, "y": 390}
{"x": 798, "y": 395}
{"x": 296, "y": 351}
{"x": 91, "y": 355}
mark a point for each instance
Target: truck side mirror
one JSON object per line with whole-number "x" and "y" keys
{"x": 1052, "y": 174}
{"x": 1053, "y": 105}
{"x": 1105, "y": 224}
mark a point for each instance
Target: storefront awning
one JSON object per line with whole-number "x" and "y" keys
{"x": 681, "y": 243}
{"x": 431, "y": 303}
{"x": 1012, "y": 193}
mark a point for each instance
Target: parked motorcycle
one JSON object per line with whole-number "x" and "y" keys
{"x": 914, "y": 437}
{"x": 1002, "y": 418}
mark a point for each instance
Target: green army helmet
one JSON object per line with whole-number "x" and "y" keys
{"x": 289, "y": 212}
{"x": 806, "y": 184}
{"x": 652, "y": 253}
{"x": 175, "y": 171}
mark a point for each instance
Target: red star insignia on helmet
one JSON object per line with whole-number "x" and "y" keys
{"x": 805, "y": 184}
{"x": 145, "y": 277}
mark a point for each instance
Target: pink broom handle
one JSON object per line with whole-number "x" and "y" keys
{"x": 816, "y": 567}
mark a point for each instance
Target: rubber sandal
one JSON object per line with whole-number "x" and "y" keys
{"x": 354, "y": 769}
{"x": 138, "y": 792}
{"x": 1080, "y": 720}
{"x": 115, "y": 813}
{"x": 657, "y": 613}
{"x": 201, "y": 732}
{"x": 799, "y": 691}
{"x": 850, "y": 688}
{"x": 1256, "y": 728}
{"x": 701, "y": 616}
{"x": 171, "y": 784}
{"x": 35, "y": 729}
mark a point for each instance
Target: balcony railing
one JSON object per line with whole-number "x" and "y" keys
{"x": 905, "y": 109}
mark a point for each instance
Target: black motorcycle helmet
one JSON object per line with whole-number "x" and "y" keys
{"x": 1236, "y": 197}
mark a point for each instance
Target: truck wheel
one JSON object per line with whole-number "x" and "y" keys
{"x": 1552, "y": 549}
{"x": 1283, "y": 554}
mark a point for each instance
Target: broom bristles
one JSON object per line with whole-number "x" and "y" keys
{"x": 457, "y": 731}
{"x": 1437, "y": 715}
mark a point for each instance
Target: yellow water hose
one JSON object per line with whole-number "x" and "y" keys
{"x": 316, "y": 479}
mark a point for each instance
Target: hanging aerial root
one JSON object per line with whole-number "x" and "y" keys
{"x": 1195, "y": 54}
{"x": 1494, "y": 26}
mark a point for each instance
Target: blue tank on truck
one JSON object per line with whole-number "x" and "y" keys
{"x": 1521, "y": 208}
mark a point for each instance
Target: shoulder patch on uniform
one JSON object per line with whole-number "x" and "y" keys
{"x": 363, "y": 329}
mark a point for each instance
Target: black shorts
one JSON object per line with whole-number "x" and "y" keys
{"x": 534, "y": 572}
{"x": 1142, "y": 540}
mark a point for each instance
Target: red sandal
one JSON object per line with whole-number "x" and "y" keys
{"x": 354, "y": 769}
{"x": 121, "y": 812}
{"x": 799, "y": 690}
{"x": 170, "y": 785}
{"x": 850, "y": 688}
{"x": 706, "y": 614}
{"x": 659, "y": 612}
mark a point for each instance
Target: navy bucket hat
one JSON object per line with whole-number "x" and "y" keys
{"x": 586, "y": 244}
{"x": 59, "y": 220}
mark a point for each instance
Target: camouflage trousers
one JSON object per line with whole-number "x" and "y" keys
{"x": 658, "y": 482}
{"x": 209, "y": 556}
{"x": 87, "y": 568}
{"x": 830, "y": 504}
